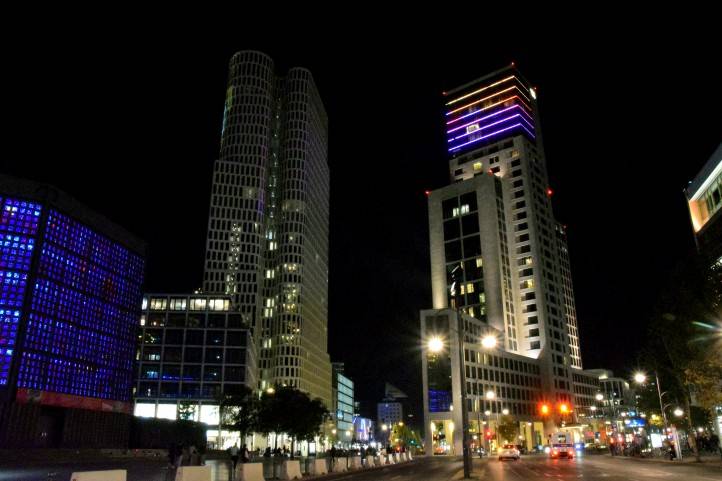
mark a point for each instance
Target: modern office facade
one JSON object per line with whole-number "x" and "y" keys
{"x": 267, "y": 243}
{"x": 704, "y": 198}
{"x": 192, "y": 349}
{"x": 343, "y": 404}
{"x": 499, "y": 257}
{"x": 69, "y": 299}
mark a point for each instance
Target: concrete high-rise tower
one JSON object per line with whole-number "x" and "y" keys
{"x": 267, "y": 244}
{"x": 499, "y": 257}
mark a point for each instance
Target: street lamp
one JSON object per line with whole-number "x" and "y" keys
{"x": 505, "y": 412}
{"x": 489, "y": 341}
{"x": 436, "y": 344}
{"x": 678, "y": 412}
{"x": 641, "y": 378}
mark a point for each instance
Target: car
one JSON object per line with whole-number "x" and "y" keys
{"x": 509, "y": 451}
{"x": 562, "y": 451}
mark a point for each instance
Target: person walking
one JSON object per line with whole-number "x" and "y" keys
{"x": 244, "y": 454}
{"x": 234, "y": 455}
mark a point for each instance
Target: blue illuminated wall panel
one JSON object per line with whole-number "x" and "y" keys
{"x": 80, "y": 335}
{"x": 18, "y": 226}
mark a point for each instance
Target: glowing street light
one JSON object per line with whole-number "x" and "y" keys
{"x": 505, "y": 412}
{"x": 270, "y": 390}
{"x": 384, "y": 427}
{"x": 401, "y": 423}
{"x": 333, "y": 431}
{"x": 640, "y": 377}
{"x": 487, "y": 413}
{"x": 490, "y": 395}
{"x": 436, "y": 344}
{"x": 678, "y": 412}
{"x": 599, "y": 396}
{"x": 593, "y": 408}
{"x": 489, "y": 341}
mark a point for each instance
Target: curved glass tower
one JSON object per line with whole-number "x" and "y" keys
{"x": 267, "y": 243}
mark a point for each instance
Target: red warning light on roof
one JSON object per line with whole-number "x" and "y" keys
{"x": 550, "y": 192}
{"x": 427, "y": 192}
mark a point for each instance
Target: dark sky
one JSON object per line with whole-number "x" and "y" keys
{"x": 129, "y": 123}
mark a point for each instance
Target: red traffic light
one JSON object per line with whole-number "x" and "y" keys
{"x": 563, "y": 408}
{"x": 544, "y": 409}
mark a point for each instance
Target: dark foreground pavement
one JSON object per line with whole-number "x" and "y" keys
{"x": 529, "y": 468}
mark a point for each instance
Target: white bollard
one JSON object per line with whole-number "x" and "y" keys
{"x": 112, "y": 475}
{"x": 249, "y": 472}
{"x": 355, "y": 462}
{"x": 390, "y": 459}
{"x": 404, "y": 456}
{"x": 291, "y": 469}
{"x": 318, "y": 466}
{"x": 397, "y": 457}
{"x": 193, "y": 473}
{"x": 340, "y": 465}
{"x": 369, "y": 461}
{"x": 381, "y": 460}
{"x": 409, "y": 454}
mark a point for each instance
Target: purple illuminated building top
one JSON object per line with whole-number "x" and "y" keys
{"x": 489, "y": 109}
{"x": 70, "y": 295}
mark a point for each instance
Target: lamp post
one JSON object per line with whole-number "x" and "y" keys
{"x": 641, "y": 378}
{"x": 436, "y": 344}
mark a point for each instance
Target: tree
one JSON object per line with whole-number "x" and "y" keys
{"x": 508, "y": 429}
{"x": 680, "y": 348}
{"x": 187, "y": 411}
{"x": 228, "y": 405}
{"x": 244, "y": 415}
{"x": 288, "y": 410}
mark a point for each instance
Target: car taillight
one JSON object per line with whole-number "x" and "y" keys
{"x": 570, "y": 450}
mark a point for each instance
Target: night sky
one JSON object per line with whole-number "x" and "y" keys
{"x": 129, "y": 123}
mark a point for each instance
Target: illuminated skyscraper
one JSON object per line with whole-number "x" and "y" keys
{"x": 267, "y": 244}
{"x": 499, "y": 256}
{"x": 70, "y": 293}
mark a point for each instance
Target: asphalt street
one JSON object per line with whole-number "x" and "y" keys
{"x": 438, "y": 468}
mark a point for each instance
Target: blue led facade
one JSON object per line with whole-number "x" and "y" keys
{"x": 75, "y": 295}
{"x": 18, "y": 227}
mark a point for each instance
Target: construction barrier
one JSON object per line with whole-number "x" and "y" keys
{"x": 397, "y": 457}
{"x": 340, "y": 465}
{"x": 290, "y": 470}
{"x": 355, "y": 462}
{"x": 112, "y": 475}
{"x": 193, "y": 473}
{"x": 249, "y": 472}
{"x": 318, "y": 466}
{"x": 369, "y": 461}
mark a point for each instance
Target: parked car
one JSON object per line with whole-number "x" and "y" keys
{"x": 509, "y": 451}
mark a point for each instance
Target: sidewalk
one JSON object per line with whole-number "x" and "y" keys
{"x": 707, "y": 460}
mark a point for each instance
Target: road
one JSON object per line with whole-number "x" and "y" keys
{"x": 439, "y": 468}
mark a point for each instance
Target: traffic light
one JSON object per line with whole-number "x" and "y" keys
{"x": 544, "y": 409}
{"x": 563, "y": 408}
{"x": 488, "y": 434}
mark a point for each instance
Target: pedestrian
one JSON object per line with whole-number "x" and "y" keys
{"x": 672, "y": 451}
{"x": 333, "y": 456}
{"x": 244, "y": 454}
{"x": 234, "y": 455}
{"x": 174, "y": 461}
{"x": 267, "y": 452}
